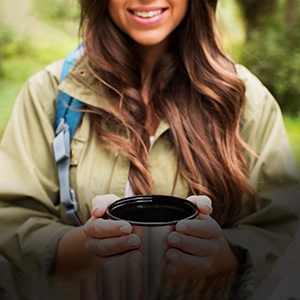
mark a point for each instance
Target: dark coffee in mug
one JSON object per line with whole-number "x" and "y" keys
{"x": 152, "y": 210}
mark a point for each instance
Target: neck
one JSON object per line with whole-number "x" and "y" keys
{"x": 150, "y": 56}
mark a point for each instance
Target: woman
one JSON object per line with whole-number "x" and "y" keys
{"x": 166, "y": 112}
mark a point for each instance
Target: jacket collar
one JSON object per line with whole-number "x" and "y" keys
{"x": 82, "y": 85}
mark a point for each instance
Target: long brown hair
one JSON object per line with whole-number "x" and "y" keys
{"x": 194, "y": 86}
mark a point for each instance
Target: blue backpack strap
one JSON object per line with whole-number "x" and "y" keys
{"x": 68, "y": 116}
{"x": 67, "y": 107}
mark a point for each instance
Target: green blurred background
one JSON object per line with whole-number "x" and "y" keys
{"x": 262, "y": 35}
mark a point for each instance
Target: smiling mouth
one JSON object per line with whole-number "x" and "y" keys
{"x": 147, "y": 14}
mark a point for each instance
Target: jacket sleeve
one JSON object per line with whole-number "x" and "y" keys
{"x": 260, "y": 237}
{"x": 30, "y": 222}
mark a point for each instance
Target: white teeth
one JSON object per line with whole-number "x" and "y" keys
{"x": 148, "y": 14}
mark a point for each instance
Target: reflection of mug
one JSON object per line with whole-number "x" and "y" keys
{"x": 153, "y": 217}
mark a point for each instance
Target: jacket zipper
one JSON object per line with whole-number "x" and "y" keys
{"x": 110, "y": 172}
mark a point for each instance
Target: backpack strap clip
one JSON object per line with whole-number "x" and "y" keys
{"x": 61, "y": 147}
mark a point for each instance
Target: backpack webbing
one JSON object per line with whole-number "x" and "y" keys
{"x": 68, "y": 116}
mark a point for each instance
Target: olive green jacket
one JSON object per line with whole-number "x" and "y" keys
{"x": 32, "y": 219}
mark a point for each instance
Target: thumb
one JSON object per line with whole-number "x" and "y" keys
{"x": 100, "y": 204}
{"x": 203, "y": 203}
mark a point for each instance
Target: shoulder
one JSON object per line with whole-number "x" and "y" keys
{"x": 49, "y": 76}
{"x": 262, "y": 114}
{"x": 41, "y": 89}
{"x": 257, "y": 95}
{"x": 259, "y": 101}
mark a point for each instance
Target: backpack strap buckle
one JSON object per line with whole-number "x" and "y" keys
{"x": 61, "y": 148}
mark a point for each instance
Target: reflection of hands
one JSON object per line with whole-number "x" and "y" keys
{"x": 196, "y": 245}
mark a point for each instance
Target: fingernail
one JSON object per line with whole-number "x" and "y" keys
{"x": 97, "y": 207}
{"x": 173, "y": 256}
{"x": 133, "y": 242}
{"x": 181, "y": 227}
{"x": 175, "y": 240}
{"x": 210, "y": 208}
{"x": 109, "y": 269}
{"x": 125, "y": 229}
{"x": 134, "y": 258}
{"x": 202, "y": 200}
{"x": 109, "y": 264}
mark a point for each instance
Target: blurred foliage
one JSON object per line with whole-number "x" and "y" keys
{"x": 292, "y": 126}
{"x": 12, "y": 44}
{"x": 27, "y": 47}
{"x": 272, "y": 53}
{"x": 253, "y": 10}
{"x": 232, "y": 27}
{"x": 57, "y": 10}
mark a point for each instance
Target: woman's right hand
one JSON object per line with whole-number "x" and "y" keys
{"x": 105, "y": 238}
{"x": 102, "y": 252}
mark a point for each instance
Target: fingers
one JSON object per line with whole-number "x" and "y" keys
{"x": 196, "y": 237}
{"x": 107, "y": 237}
{"x": 112, "y": 246}
{"x": 205, "y": 227}
{"x": 100, "y": 204}
{"x": 100, "y": 228}
{"x": 185, "y": 266}
{"x": 193, "y": 245}
{"x": 203, "y": 203}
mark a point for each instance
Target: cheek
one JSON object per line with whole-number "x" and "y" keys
{"x": 180, "y": 8}
{"x": 184, "y": 9}
{"x": 116, "y": 12}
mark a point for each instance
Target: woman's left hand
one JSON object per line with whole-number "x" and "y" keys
{"x": 198, "y": 248}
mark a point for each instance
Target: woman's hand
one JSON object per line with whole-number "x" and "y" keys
{"x": 95, "y": 242}
{"x": 107, "y": 237}
{"x": 198, "y": 247}
{"x": 111, "y": 243}
{"x": 102, "y": 251}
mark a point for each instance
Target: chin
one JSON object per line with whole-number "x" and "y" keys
{"x": 149, "y": 42}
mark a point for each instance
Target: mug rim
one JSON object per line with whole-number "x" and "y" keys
{"x": 151, "y": 198}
